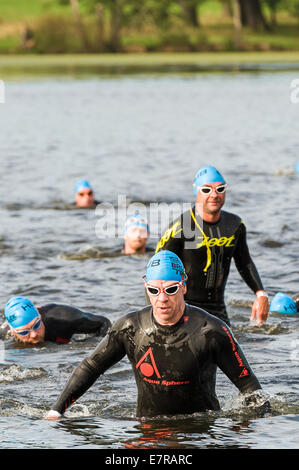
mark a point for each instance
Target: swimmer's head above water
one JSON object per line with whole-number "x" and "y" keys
{"x": 136, "y": 235}
{"x": 84, "y": 194}
{"x": 24, "y": 320}
{"x": 165, "y": 282}
{"x": 282, "y": 303}
{"x": 209, "y": 187}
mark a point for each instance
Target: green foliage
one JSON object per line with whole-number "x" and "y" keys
{"x": 143, "y": 25}
{"x": 56, "y": 34}
{"x": 292, "y": 6}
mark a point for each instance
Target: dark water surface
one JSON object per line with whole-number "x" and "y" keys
{"x": 143, "y": 137}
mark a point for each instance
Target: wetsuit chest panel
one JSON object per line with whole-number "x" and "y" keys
{"x": 167, "y": 355}
{"x": 207, "y": 257}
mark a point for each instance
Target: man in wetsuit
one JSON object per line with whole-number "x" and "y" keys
{"x": 174, "y": 349}
{"x": 206, "y": 238}
{"x": 52, "y": 322}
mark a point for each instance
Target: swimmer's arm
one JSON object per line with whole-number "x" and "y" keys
{"x": 230, "y": 358}
{"x": 245, "y": 264}
{"x": 110, "y": 351}
{"x": 249, "y": 273}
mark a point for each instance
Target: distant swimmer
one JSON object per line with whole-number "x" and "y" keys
{"x": 84, "y": 194}
{"x": 283, "y": 303}
{"x": 136, "y": 235}
{"x": 51, "y": 322}
{"x": 206, "y": 238}
{"x": 174, "y": 350}
{"x": 135, "y": 242}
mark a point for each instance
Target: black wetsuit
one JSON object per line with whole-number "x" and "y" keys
{"x": 174, "y": 366}
{"x": 206, "y": 250}
{"x": 63, "y": 321}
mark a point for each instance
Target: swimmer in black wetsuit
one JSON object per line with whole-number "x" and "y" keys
{"x": 51, "y": 322}
{"x": 174, "y": 349}
{"x": 206, "y": 239}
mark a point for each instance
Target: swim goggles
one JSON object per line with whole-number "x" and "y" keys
{"x": 26, "y": 332}
{"x": 208, "y": 189}
{"x": 89, "y": 193}
{"x": 169, "y": 290}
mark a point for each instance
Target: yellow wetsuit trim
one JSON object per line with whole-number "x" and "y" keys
{"x": 206, "y": 239}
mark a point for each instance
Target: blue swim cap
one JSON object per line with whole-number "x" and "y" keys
{"x": 82, "y": 184}
{"x": 19, "y": 311}
{"x": 282, "y": 303}
{"x": 136, "y": 221}
{"x": 165, "y": 266}
{"x": 297, "y": 168}
{"x": 207, "y": 174}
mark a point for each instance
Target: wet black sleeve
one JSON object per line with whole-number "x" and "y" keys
{"x": 230, "y": 358}
{"x": 244, "y": 263}
{"x": 70, "y": 320}
{"x": 110, "y": 351}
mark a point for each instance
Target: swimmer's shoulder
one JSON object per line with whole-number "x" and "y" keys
{"x": 199, "y": 320}
{"x": 230, "y": 219}
{"x": 133, "y": 321}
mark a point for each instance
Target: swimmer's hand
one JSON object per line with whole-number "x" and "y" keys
{"x": 260, "y": 309}
{"x": 52, "y": 415}
{"x": 259, "y": 402}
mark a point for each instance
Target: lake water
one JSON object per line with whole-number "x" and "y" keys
{"x": 142, "y": 138}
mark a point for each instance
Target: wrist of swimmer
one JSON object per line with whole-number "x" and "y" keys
{"x": 261, "y": 293}
{"x": 54, "y": 413}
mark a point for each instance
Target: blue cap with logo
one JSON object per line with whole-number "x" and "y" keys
{"x": 282, "y": 303}
{"x": 81, "y": 184}
{"x": 19, "y": 311}
{"x": 207, "y": 174}
{"x": 165, "y": 266}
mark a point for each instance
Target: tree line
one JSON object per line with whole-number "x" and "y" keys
{"x": 254, "y": 14}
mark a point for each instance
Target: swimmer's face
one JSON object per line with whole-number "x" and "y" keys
{"x": 167, "y": 309}
{"x": 84, "y": 197}
{"x": 211, "y": 203}
{"x": 34, "y": 336}
{"x": 135, "y": 239}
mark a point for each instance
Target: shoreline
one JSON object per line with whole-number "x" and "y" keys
{"x": 39, "y": 64}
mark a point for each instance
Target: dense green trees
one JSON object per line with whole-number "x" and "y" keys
{"x": 163, "y": 25}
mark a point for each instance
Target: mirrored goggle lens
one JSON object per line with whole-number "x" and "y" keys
{"x": 207, "y": 189}
{"x": 170, "y": 290}
{"x": 26, "y": 332}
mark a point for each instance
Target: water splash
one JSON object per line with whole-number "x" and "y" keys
{"x": 15, "y": 373}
